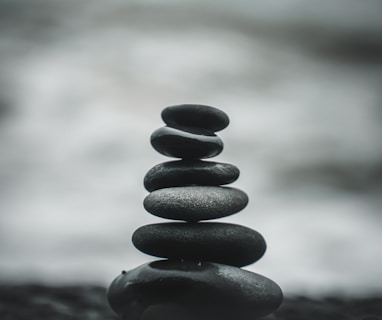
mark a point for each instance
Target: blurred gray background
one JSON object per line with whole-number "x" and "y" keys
{"x": 82, "y": 85}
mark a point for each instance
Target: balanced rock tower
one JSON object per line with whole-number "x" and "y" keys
{"x": 201, "y": 275}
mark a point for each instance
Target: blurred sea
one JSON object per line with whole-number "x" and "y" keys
{"x": 82, "y": 85}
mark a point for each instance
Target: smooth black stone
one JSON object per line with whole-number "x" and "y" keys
{"x": 194, "y": 203}
{"x": 195, "y": 115}
{"x": 190, "y": 290}
{"x": 225, "y": 243}
{"x": 190, "y": 172}
{"x": 186, "y": 143}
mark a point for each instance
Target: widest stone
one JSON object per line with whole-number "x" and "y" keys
{"x": 194, "y": 203}
{"x": 190, "y": 172}
{"x": 186, "y": 143}
{"x": 195, "y": 115}
{"x": 225, "y": 243}
{"x": 190, "y": 290}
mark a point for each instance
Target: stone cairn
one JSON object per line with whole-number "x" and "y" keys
{"x": 201, "y": 277}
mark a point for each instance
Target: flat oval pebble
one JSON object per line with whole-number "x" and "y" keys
{"x": 190, "y": 172}
{"x": 195, "y": 115}
{"x": 225, "y": 243}
{"x": 194, "y": 203}
{"x": 190, "y": 144}
{"x": 190, "y": 290}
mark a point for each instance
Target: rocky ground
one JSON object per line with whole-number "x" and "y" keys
{"x": 19, "y": 302}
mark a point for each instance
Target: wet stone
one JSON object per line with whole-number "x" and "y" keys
{"x": 186, "y": 143}
{"x": 190, "y": 172}
{"x": 215, "y": 242}
{"x": 194, "y": 203}
{"x": 195, "y": 115}
{"x": 192, "y": 290}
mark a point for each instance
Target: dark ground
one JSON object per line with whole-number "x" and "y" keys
{"x": 89, "y": 302}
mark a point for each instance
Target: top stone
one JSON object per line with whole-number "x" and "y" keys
{"x": 195, "y": 115}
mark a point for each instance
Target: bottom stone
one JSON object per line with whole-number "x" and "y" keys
{"x": 192, "y": 290}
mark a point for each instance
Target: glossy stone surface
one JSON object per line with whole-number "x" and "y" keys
{"x": 190, "y": 172}
{"x": 195, "y": 115}
{"x": 194, "y": 203}
{"x": 190, "y": 290}
{"x": 215, "y": 242}
{"x": 190, "y": 144}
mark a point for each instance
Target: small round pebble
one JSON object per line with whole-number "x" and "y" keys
{"x": 195, "y": 115}
{"x": 225, "y": 243}
{"x": 186, "y": 143}
{"x": 194, "y": 203}
{"x": 190, "y": 172}
{"x": 192, "y": 290}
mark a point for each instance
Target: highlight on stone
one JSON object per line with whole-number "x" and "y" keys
{"x": 200, "y": 277}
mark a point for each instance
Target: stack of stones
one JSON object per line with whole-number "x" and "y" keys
{"x": 201, "y": 277}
